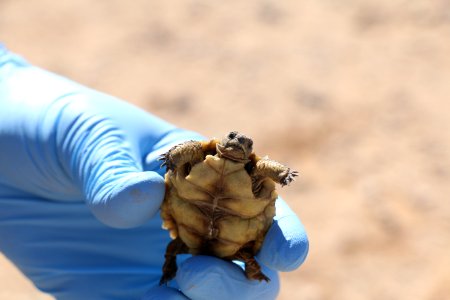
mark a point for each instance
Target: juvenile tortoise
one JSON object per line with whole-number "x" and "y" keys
{"x": 220, "y": 201}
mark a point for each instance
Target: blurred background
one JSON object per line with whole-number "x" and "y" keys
{"x": 354, "y": 94}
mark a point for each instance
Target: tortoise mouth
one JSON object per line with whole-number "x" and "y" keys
{"x": 234, "y": 152}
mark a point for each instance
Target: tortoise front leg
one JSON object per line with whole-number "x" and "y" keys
{"x": 176, "y": 246}
{"x": 274, "y": 170}
{"x": 178, "y": 156}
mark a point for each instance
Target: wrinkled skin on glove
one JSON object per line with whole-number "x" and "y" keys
{"x": 80, "y": 190}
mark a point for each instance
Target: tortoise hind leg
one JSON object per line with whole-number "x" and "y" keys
{"x": 252, "y": 267}
{"x": 176, "y": 246}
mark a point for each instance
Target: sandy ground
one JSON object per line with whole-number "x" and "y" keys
{"x": 353, "y": 93}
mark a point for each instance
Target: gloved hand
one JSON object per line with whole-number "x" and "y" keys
{"x": 76, "y": 168}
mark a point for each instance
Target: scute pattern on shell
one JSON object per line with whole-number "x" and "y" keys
{"x": 215, "y": 205}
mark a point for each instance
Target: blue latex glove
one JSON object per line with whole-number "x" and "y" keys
{"x": 77, "y": 167}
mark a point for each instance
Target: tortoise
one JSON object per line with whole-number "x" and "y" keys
{"x": 219, "y": 201}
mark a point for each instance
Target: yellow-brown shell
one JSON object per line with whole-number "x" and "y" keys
{"x": 213, "y": 209}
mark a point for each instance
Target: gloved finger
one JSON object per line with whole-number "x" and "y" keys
{"x": 286, "y": 244}
{"x": 106, "y": 166}
{"x": 81, "y": 143}
{"x": 206, "y": 277}
{"x": 164, "y": 292}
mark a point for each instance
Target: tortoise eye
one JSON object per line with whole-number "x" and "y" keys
{"x": 232, "y": 135}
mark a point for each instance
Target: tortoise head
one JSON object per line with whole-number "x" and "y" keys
{"x": 235, "y": 146}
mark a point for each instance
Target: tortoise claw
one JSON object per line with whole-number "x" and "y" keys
{"x": 166, "y": 161}
{"x": 261, "y": 277}
{"x": 289, "y": 177}
{"x": 165, "y": 279}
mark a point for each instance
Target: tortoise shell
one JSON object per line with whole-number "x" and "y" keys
{"x": 220, "y": 201}
{"x": 213, "y": 209}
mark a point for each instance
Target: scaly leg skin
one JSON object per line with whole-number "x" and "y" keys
{"x": 178, "y": 156}
{"x": 176, "y": 246}
{"x": 274, "y": 170}
{"x": 252, "y": 267}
